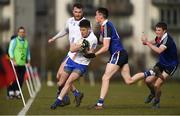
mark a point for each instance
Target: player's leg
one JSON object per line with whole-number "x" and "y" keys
{"x": 58, "y": 76}
{"x": 78, "y": 96}
{"x": 157, "y": 86}
{"x": 125, "y": 72}
{"x": 150, "y": 80}
{"x": 74, "y": 76}
{"x": 62, "y": 80}
{"x": 110, "y": 70}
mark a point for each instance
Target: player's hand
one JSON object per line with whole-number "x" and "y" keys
{"x": 85, "y": 44}
{"x": 50, "y": 40}
{"x": 144, "y": 39}
{"x": 144, "y": 42}
{"x": 28, "y": 64}
{"x": 90, "y": 55}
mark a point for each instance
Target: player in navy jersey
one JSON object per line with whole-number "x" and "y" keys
{"x": 119, "y": 57}
{"x": 166, "y": 65}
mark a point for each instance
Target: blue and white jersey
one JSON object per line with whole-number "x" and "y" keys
{"x": 73, "y": 29}
{"x": 169, "y": 56}
{"x": 78, "y": 56}
{"x": 108, "y": 31}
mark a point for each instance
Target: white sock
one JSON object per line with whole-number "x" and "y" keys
{"x": 59, "y": 98}
{"x": 11, "y": 92}
{"x": 17, "y": 92}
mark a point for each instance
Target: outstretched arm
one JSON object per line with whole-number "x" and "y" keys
{"x": 58, "y": 35}
{"x": 104, "y": 48}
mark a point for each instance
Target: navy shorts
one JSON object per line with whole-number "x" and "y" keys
{"x": 72, "y": 66}
{"x": 168, "y": 69}
{"x": 119, "y": 58}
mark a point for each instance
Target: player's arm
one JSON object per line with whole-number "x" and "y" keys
{"x": 144, "y": 39}
{"x": 28, "y": 56}
{"x": 105, "y": 47}
{"x": 12, "y": 46}
{"x": 159, "y": 49}
{"x": 58, "y": 35}
{"x": 74, "y": 47}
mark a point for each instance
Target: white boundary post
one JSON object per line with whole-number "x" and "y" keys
{"x": 30, "y": 81}
{"x": 33, "y": 78}
{"x": 18, "y": 83}
{"x": 37, "y": 78}
{"x": 27, "y": 83}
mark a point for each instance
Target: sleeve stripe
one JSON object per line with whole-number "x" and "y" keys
{"x": 105, "y": 30}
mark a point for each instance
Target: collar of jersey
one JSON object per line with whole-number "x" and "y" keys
{"x": 164, "y": 36}
{"x": 104, "y": 22}
{"x": 20, "y": 39}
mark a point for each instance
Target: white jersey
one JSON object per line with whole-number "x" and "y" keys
{"x": 77, "y": 56}
{"x": 73, "y": 29}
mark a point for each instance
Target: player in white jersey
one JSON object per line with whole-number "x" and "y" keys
{"x": 77, "y": 64}
{"x": 73, "y": 31}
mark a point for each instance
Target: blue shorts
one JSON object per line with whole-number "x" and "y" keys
{"x": 119, "y": 58}
{"x": 72, "y": 66}
{"x": 168, "y": 69}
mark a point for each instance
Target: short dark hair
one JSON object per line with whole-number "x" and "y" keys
{"x": 162, "y": 25}
{"x": 104, "y": 12}
{"x": 85, "y": 23}
{"x": 78, "y": 5}
{"x": 21, "y": 27}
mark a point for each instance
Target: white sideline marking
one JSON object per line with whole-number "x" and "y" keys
{"x": 26, "y": 108}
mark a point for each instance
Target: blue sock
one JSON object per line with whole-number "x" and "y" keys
{"x": 149, "y": 73}
{"x": 58, "y": 101}
{"x": 66, "y": 97}
{"x": 101, "y": 101}
{"x": 156, "y": 100}
{"x": 76, "y": 93}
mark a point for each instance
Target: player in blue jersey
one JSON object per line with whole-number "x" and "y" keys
{"x": 119, "y": 57}
{"x": 76, "y": 64}
{"x": 71, "y": 29}
{"x": 165, "y": 46}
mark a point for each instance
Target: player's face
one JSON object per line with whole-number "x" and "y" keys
{"x": 159, "y": 32}
{"x": 84, "y": 32}
{"x": 98, "y": 17}
{"x": 77, "y": 13}
{"x": 21, "y": 33}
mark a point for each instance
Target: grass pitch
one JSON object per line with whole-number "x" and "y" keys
{"x": 121, "y": 100}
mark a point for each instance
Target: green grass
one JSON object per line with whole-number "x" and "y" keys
{"x": 121, "y": 99}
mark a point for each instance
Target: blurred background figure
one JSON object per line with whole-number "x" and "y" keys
{"x": 19, "y": 53}
{"x": 6, "y": 72}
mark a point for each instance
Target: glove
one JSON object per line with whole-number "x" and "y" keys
{"x": 85, "y": 46}
{"x": 90, "y": 55}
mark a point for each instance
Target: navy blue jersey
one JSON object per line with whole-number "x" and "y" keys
{"x": 108, "y": 30}
{"x": 169, "y": 56}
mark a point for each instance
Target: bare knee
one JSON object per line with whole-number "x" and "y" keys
{"x": 129, "y": 81}
{"x": 157, "y": 86}
{"x": 105, "y": 77}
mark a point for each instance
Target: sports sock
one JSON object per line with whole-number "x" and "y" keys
{"x": 100, "y": 102}
{"x": 66, "y": 97}
{"x": 156, "y": 100}
{"x": 76, "y": 93}
{"x": 149, "y": 73}
{"x": 58, "y": 101}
